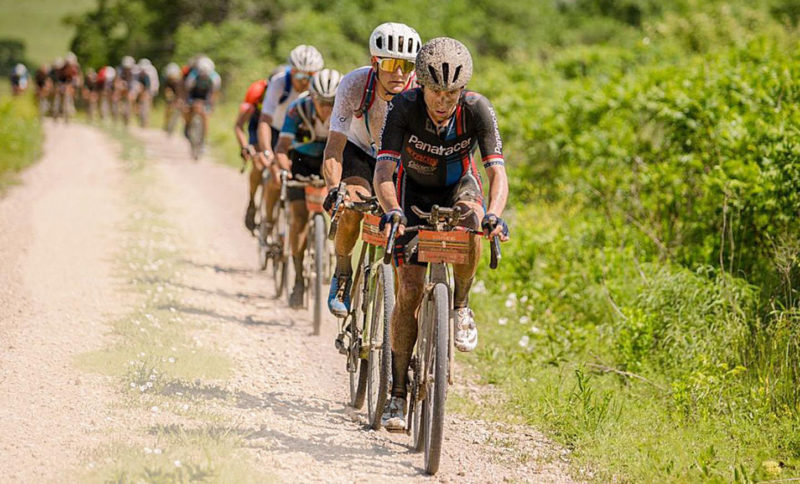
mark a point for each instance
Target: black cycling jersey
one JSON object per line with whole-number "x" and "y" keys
{"x": 432, "y": 158}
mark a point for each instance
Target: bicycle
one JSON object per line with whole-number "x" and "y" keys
{"x": 364, "y": 333}
{"x": 196, "y": 132}
{"x": 440, "y": 242}
{"x": 318, "y": 257}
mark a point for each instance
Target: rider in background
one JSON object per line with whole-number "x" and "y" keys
{"x": 353, "y": 144}
{"x": 249, "y": 111}
{"x": 283, "y": 88}
{"x": 92, "y": 88}
{"x": 430, "y": 138}
{"x": 44, "y": 85}
{"x": 68, "y": 78}
{"x": 19, "y": 79}
{"x": 127, "y": 85}
{"x": 148, "y": 78}
{"x": 173, "y": 89}
{"x": 299, "y": 150}
{"x": 105, "y": 81}
{"x": 201, "y": 88}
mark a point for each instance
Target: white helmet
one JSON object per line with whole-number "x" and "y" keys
{"x": 172, "y": 71}
{"x": 58, "y": 63}
{"x": 144, "y": 62}
{"x": 444, "y": 64}
{"x": 325, "y": 82}
{"x": 306, "y": 58}
{"x": 20, "y": 70}
{"x": 394, "y": 40}
{"x": 71, "y": 58}
{"x": 205, "y": 66}
{"x": 111, "y": 73}
{"x": 128, "y": 62}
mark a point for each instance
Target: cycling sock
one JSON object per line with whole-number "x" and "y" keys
{"x": 461, "y": 291}
{"x": 399, "y": 374}
{"x": 298, "y": 269}
{"x": 343, "y": 265}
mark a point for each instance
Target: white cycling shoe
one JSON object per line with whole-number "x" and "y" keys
{"x": 394, "y": 415}
{"x": 466, "y": 337}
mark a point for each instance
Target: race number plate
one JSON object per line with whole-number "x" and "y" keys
{"x": 369, "y": 230}
{"x": 447, "y": 247}
{"x": 314, "y": 198}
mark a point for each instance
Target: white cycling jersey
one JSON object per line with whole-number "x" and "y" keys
{"x": 272, "y": 105}
{"x": 351, "y": 98}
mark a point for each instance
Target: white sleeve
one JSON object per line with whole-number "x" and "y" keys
{"x": 348, "y": 98}
{"x": 273, "y": 96}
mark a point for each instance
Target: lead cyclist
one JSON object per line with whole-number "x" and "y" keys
{"x": 430, "y": 137}
{"x": 353, "y": 144}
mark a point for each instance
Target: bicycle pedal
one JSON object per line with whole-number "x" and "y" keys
{"x": 339, "y": 343}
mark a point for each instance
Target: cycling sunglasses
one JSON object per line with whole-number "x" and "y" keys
{"x": 301, "y": 76}
{"x": 391, "y": 65}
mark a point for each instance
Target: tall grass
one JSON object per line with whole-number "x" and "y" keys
{"x": 20, "y": 136}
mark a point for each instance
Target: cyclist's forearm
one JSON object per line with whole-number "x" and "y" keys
{"x": 264, "y": 133}
{"x": 241, "y": 136}
{"x": 283, "y": 161}
{"x": 498, "y": 189}
{"x": 332, "y": 166}
{"x": 384, "y": 186}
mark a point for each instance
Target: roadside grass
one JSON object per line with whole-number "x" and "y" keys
{"x": 20, "y": 136}
{"x": 39, "y": 24}
{"x": 582, "y": 339}
{"x": 161, "y": 368}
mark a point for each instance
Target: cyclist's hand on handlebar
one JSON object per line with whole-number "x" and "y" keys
{"x": 385, "y": 224}
{"x": 330, "y": 199}
{"x": 494, "y": 226}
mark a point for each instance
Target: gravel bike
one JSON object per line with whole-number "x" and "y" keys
{"x": 439, "y": 242}
{"x": 364, "y": 332}
{"x": 318, "y": 254}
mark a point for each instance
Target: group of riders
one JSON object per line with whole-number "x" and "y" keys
{"x": 403, "y": 128}
{"x": 122, "y": 92}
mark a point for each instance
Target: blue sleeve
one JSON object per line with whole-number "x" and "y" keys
{"x": 292, "y": 120}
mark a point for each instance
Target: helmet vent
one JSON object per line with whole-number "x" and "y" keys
{"x": 455, "y": 75}
{"x": 446, "y": 72}
{"x": 391, "y": 43}
{"x": 433, "y": 74}
{"x": 379, "y": 42}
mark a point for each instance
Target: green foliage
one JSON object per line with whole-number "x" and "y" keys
{"x": 20, "y": 136}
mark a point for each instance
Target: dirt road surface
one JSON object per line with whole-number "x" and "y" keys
{"x": 282, "y": 402}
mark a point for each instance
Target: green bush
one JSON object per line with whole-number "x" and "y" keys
{"x": 20, "y": 136}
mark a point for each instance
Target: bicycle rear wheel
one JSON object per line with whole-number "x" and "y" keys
{"x": 380, "y": 345}
{"x": 319, "y": 270}
{"x": 437, "y": 380}
{"x": 196, "y": 136}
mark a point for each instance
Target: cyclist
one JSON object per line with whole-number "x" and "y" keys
{"x": 91, "y": 92}
{"x": 68, "y": 78}
{"x": 44, "y": 84}
{"x": 430, "y": 136}
{"x": 173, "y": 87}
{"x": 299, "y": 149}
{"x": 249, "y": 112}
{"x": 19, "y": 79}
{"x": 352, "y": 146}
{"x": 283, "y": 88}
{"x": 201, "y": 88}
{"x": 148, "y": 78}
{"x": 128, "y": 85}
{"x": 105, "y": 82}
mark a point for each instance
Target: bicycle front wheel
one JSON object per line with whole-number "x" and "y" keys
{"x": 280, "y": 263}
{"x": 380, "y": 345}
{"x": 319, "y": 269}
{"x": 437, "y": 380}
